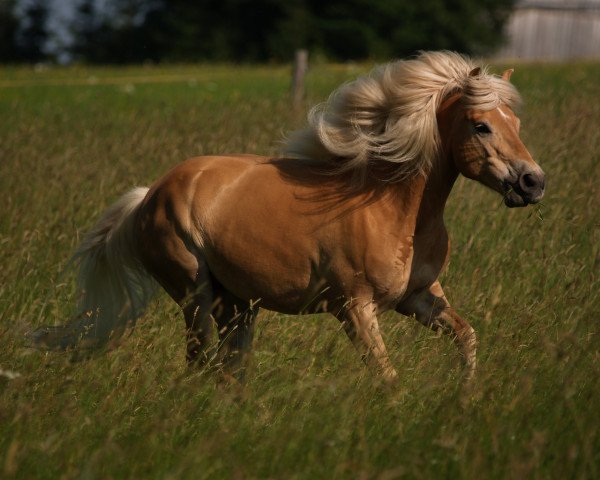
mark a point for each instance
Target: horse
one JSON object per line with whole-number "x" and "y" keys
{"x": 349, "y": 220}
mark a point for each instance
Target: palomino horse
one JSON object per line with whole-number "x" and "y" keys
{"x": 349, "y": 221}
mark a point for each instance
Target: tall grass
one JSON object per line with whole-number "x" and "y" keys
{"x": 72, "y": 141}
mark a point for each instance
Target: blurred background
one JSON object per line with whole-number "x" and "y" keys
{"x": 137, "y": 31}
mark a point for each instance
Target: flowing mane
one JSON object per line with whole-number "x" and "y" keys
{"x": 389, "y": 116}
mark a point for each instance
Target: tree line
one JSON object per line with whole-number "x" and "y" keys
{"x": 126, "y": 31}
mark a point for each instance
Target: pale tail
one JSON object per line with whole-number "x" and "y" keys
{"x": 115, "y": 287}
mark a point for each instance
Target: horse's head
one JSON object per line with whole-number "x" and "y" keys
{"x": 486, "y": 147}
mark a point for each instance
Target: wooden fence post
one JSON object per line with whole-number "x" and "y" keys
{"x": 300, "y": 67}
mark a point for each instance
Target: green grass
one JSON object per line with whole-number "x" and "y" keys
{"x": 73, "y": 140}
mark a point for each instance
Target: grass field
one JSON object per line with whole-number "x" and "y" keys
{"x": 73, "y": 140}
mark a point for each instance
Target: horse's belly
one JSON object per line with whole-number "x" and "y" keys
{"x": 264, "y": 276}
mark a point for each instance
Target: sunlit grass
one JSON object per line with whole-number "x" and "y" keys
{"x": 527, "y": 279}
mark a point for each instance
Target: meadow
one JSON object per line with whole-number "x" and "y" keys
{"x": 72, "y": 140}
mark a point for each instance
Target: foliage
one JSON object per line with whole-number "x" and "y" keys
{"x": 527, "y": 279}
{"x": 31, "y": 32}
{"x": 388, "y": 28}
{"x": 8, "y": 30}
{"x": 271, "y": 30}
{"x": 265, "y": 30}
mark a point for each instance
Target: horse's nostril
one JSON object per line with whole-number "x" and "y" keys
{"x": 528, "y": 180}
{"x": 531, "y": 186}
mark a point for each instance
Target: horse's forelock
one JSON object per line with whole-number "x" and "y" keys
{"x": 486, "y": 92}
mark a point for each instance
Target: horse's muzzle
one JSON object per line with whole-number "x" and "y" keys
{"x": 527, "y": 189}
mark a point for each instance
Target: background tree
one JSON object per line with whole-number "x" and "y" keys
{"x": 8, "y": 29}
{"x": 118, "y": 31}
{"x": 31, "y": 33}
{"x": 248, "y": 30}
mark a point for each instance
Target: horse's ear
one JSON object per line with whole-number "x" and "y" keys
{"x": 507, "y": 73}
{"x": 476, "y": 71}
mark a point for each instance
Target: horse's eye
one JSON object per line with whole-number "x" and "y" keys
{"x": 482, "y": 128}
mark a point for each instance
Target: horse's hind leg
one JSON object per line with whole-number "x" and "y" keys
{"x": 187, "y": 280}
{"x": 194, "y": 294}
{"x": 235, "y": 322}
{"x": 361, "y": 325}
{"x": 199, "y": 326}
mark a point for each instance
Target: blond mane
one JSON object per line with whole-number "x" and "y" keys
{"x": 389, "y": 116}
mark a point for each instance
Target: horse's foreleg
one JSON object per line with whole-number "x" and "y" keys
{"x": 432, "y": 309}
{"x": 235, "y": 322}
{"x": 360, "y": 323}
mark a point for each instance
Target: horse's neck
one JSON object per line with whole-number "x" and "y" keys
{"x": 429, "y": 195}
{"x": 436, "y": 188}
{"x": 416, "y": 206}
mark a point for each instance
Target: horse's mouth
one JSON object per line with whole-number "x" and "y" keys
{"x": 514, "y": 197}
{"x": 512, "y": 200}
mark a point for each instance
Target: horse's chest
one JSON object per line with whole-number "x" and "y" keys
{"x": 388, "y": 270}
{"x": 413, "y": 264}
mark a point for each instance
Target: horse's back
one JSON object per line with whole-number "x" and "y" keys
{"x": 195, "y": 182}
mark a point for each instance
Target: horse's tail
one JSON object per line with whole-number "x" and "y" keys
{"x": 114, "y": 285}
